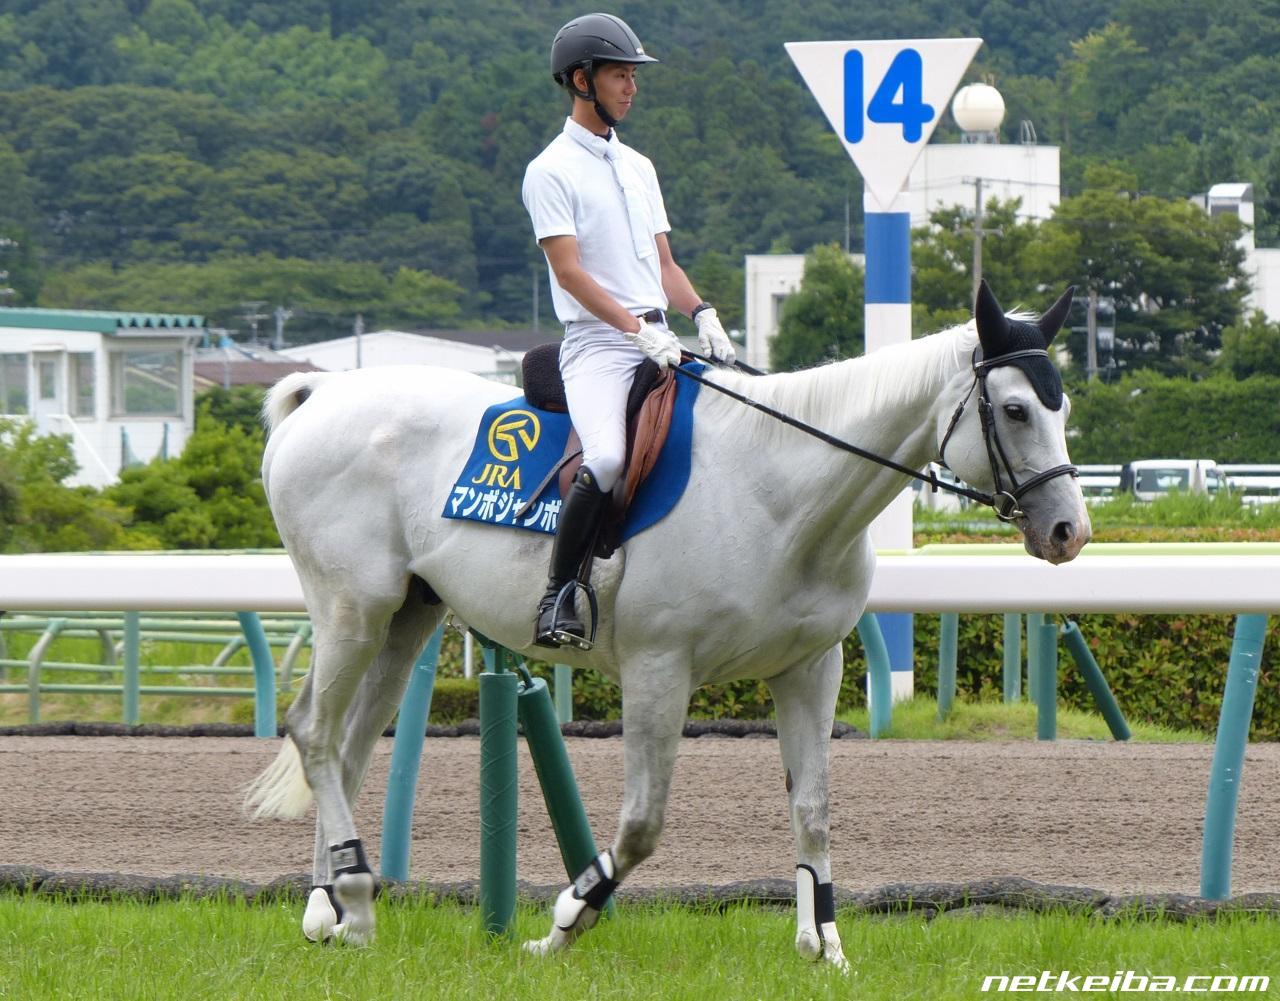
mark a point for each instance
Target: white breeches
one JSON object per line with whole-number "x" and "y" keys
{"x": 598, "y": 364}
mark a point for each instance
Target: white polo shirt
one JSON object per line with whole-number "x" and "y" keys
{"x": 575, "y": 187}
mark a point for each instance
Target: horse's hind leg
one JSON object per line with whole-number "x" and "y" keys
{"x": 350, "y": 632}
{"x": 805, "y": 700}
{"x": 374, "y": 706}
{"x": 655, "y": 700}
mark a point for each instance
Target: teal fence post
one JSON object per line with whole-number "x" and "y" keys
{"x": 1034, "y": 621}
{"x": 498, "y": 803}
{"x": 264, "y": 674}
{"x": 1047, "y": 685}
{"x": 948, "y": 632}
{"x": 1228, "y": 756}
{"x": 1097, "y": 683}
{"x": 406, "y": 759}
{"x": 1012, "y": 657}
{"x": 132, "y": 680}
{"x": 555, "y": 776}
{"x": 34, "y": 661}
{"x": 880, "y": 679}
{"x": 564, "y": 693}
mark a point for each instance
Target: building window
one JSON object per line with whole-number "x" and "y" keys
{"x": 47, "y": 379}
{"x": 146, "y": 384}
{"x": 13, "y": 384}
{"x": 83, "y": 389}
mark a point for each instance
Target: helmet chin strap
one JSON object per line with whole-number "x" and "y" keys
{"x": 590, "y": 95}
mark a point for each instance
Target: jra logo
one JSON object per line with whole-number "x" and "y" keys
{"x": 509, "y": 431}
{"x": 898, "y": 100}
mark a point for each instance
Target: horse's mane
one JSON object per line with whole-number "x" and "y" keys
{"x": 859, "y": 389}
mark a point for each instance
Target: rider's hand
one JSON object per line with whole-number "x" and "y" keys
{"x": 659, "y": 344}
{"x": 715, "y": 342}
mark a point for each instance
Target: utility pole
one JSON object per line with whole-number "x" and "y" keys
{"x": 358, "y": 330}
{"x": 252, "y": 316}
{"x": 282, "y": 315}
{"x": 978, "y": 234}
{"x": 536, "y": 283}
{"x": 1091, "y": 337}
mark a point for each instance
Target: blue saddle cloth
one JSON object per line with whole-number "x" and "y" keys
{"x": 517, "y": 445}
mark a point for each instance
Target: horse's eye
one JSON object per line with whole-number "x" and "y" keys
{"x": 1015, "y": 411}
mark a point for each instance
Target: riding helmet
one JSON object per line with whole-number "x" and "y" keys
{"x": 591, "y": 39}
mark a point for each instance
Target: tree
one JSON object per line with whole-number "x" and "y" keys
{"x": 824, "y": 319}
{"x": 1251, "y": 347}
{"x": 209, "y": 497}
{"x": 1174, "y": 272}
{"x": 942, "y": 263}
{"x": 39, "y": 512}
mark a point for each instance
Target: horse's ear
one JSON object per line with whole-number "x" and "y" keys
{"x": 993, "y": 325}
{"x": 1054, "y": 316}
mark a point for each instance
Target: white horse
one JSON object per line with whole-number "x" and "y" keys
{"x": 760, "y": 571}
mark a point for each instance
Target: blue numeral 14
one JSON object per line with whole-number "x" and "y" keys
{"x": 898, "y": 100}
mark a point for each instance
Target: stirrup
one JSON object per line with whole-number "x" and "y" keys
{"x": 562, "y": 637}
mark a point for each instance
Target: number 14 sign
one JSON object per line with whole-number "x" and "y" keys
{"x": 884, "y": 99}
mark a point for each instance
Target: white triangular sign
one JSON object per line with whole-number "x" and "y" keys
{"x": 884, "y": 98}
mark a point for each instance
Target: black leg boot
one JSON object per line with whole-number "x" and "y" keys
{"x": 580, "y": 513}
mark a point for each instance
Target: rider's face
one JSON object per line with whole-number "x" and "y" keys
{"x": 616, "y": 88}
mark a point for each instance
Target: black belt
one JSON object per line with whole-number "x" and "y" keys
{"x": 654, "y": 316}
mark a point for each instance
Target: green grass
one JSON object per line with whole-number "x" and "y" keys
{"x": 1177, "y": 517}
{"x": 917, "y": 719}
{"x": 224, "y": 950}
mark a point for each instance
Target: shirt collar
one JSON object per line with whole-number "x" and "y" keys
{"x": 595, "y": 145}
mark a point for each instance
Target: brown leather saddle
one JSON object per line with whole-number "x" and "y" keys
{"x": 649, "y": 406}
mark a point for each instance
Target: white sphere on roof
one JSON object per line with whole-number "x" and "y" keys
{"x": 978, "y": 108}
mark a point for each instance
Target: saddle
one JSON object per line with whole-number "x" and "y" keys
{"x": 649, "y": 406}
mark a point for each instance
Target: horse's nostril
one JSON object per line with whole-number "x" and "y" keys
{"x": 1064, "y": 532}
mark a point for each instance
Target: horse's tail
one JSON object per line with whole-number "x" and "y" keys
{"x": 288, "y": 395}
{"x": 281, "y": 790}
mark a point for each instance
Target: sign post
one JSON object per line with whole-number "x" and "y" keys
{"x": 884, "y": 99}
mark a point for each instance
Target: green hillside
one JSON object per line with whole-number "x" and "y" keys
{"x": 340, "y": 156}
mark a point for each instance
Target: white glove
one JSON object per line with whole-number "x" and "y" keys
{"x": 715, "y": 342}
{"x": 659, "y": 344}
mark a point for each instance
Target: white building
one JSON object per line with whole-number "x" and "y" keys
{"x": 495, "y": 355}
{"x": 119, "y": 384}
{"x": 979, "y": 166}
{"x": 1261, "y": 264}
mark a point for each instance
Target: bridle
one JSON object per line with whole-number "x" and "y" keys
{"x": 1005, "y": 502}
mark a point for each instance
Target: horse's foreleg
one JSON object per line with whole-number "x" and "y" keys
{"x": 655, "y": 700}
{"x": 805, "y": 699}
{"x": 375, "y": 704}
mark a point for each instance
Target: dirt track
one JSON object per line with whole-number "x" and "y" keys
{"x": 1118, "y": 818}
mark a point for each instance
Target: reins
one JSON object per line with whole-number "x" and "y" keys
{"x": 830, "y": 439}
{"x": 1003, "y": 502}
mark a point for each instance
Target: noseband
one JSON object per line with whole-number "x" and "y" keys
{"x": 1005, "y": 501}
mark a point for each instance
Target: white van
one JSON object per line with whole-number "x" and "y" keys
{"x": 1148, "y": 479}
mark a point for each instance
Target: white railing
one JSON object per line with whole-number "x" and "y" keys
{"x": 1214, "y": 582}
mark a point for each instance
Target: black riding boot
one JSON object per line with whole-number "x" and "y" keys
{"x": 575, "y": 532}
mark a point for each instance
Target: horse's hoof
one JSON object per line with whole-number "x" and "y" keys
{"x": 353, "y": 934}
{"x": 321, "y": 917}
{"x": 553, "y": 943}
{"x": 353, "y": 892}
{"x": 809, "y": 945}
{"x": 835, "y": 956}
{"x": 832, "y": 950}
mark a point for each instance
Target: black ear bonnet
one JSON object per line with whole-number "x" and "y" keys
{"x": 1000, "y": 335}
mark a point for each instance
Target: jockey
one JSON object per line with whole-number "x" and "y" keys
{"x": 599, "y": 217}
